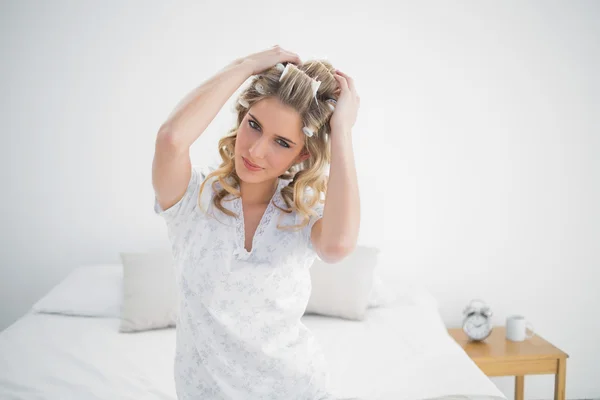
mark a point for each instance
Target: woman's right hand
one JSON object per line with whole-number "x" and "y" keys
{"x": 263, "y": 60}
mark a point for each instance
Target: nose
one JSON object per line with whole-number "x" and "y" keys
{"x": 260, "y": 148}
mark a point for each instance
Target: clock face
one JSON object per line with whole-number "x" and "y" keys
{"x": 477, "y": 327}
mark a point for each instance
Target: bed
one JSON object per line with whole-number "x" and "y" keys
{"x": 401, "y": 351}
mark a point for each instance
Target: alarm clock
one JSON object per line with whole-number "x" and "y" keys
{"x": 477, "y": 323}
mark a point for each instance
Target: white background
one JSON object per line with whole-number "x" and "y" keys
{"x": 477, "y": 143}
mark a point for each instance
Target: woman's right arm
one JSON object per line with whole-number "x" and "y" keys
{"x": 172, "y": 166}
{"x": 195, "y": 112}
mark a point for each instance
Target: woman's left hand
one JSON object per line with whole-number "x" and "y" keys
{"x": 346, "y": 108}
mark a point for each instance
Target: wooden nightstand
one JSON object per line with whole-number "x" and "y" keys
{"x": 497, "y": 356}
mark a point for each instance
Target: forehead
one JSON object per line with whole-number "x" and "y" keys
{"x": 278, "y": 119}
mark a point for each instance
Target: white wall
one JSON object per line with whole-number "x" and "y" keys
{"x": 477, "y": 143}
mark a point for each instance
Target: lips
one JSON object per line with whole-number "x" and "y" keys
{"x": 250, "y": 163}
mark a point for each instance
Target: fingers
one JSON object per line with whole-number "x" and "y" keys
{"x": 341, "y": 81}
{"x": 291, "y": 57}
{"x": 287, "y": 56}
{"x": 349, "y": 80}
{"x": 295, "y": 58}
{"x": 346, "y": 83}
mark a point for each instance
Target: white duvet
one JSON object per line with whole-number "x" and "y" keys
{"x": 397, "y": 352}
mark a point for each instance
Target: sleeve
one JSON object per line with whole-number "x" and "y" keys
{"x": 308, "y": 228}
{"x": 189, "y": 202}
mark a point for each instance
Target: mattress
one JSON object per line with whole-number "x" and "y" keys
{"x": 401, "y": 351}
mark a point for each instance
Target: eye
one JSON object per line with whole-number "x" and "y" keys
{"x": 283, "y": 143}
{"x": 250, "y": 122}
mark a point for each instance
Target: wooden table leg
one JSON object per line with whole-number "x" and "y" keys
{"x": 560, "y": 379}
{"x": 520, "y": 387}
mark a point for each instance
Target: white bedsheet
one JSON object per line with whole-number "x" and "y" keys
{"x": 401, "y": 352}
{"x": 398, "y": 352}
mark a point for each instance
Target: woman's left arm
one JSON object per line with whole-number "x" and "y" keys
{"x": 334, "y": 236}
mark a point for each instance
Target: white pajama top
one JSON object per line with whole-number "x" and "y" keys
{"x": 239, "y": 333}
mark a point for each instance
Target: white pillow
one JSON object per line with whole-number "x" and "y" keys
{"x": 87, "y": 291}
{"x": 381, "y": 295}
{"x": 149, "y": 291}
{"x": 97, "y": 291}
{"x": 344, "y": 289}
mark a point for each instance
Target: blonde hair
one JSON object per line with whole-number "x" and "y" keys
{"x": 294, "y": 90}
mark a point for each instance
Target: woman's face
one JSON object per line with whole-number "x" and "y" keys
{"x": 271, "y": 137}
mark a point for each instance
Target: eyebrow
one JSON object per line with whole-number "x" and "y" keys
{"x": 279, "y": 136}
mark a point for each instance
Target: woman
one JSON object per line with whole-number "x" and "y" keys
{"x": 245, "y": 235}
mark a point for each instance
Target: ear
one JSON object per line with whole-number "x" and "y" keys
{"x": 304, "y": 154}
